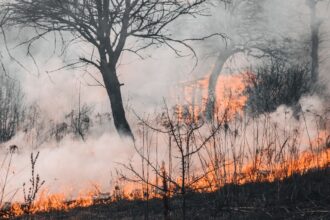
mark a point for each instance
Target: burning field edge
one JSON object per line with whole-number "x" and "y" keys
{"x": 300, "y": 196}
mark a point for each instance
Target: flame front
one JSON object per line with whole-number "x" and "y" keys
{"x": 262, "y": 165}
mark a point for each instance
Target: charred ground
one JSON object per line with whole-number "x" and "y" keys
{"x": 301, "y": 196}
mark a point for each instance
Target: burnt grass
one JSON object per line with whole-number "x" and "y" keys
{"x": 301, "y": 196}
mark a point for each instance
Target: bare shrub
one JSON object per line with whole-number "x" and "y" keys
{"x": 80, "y": 121}
{"x": 187, "y": 137}
{"x": 10, "y": 107}
{"x": 277, "y": 84}
{"x": 35, "y": 183}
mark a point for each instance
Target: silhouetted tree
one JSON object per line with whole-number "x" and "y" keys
{"x": 251, "y": 37}
{"x": 315, "y": 35}
{"x": 106, "y": 25}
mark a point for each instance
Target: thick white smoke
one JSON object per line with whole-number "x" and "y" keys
{"x": 75, "y": 164}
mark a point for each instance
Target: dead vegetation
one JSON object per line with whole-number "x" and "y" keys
{"x": 265, "y": 157}
{"x": 301, "y": 196}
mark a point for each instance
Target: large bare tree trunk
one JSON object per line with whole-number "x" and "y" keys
{"x": 112, "y": 86}
{"x": 212, "y": 96}
{"x": 315, "y": 29}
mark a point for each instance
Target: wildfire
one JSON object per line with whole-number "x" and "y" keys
{"x": 47, "y": 202}
{"x": 260, "y": 170}
{"x": 254, "y": 171}
{"x": 230, "y": 100}
{"x": 229, "y": 93}
{"x": 230, "y": 96}
{"x": 52, "y": 202}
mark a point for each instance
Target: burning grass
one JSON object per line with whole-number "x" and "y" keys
{"x": 233, "y": 149}
{"x": 299, "y": 196}
{"x": 253, "y": 172}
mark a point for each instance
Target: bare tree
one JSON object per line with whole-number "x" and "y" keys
{"x": 10, "y": 107}
{"x": 315, "y": 41}
{"x": 188, "y": 141}
{"x": 107, "y": 25}
{"x": 315, "y": 35}
{"x": 252, "y": 38}
{"x": 246, "y": 37}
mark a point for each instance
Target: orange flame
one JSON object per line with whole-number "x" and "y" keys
{"x": 229, "y": 93}
{"x": 261, "y": 171}
{"x": 230, "y": 100}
